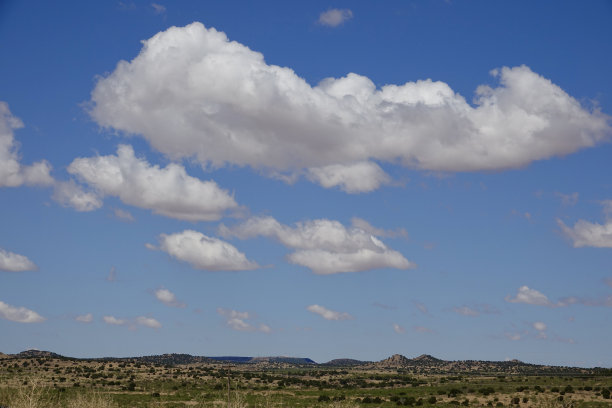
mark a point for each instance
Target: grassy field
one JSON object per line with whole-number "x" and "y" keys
{"x": 54, "y": 383}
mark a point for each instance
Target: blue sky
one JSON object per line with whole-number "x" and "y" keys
{"x": 328, "y": 180}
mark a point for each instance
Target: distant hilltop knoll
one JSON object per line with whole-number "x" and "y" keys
{"x": 423, "y": 364}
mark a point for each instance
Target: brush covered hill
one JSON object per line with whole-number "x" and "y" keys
{"x": 426, "y": 364}
{"x": 345, "y": 362}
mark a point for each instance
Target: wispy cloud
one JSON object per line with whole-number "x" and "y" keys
{"x": 335, "y": 17}
{"x": 327, "y": 313}
{"x": 568, "y": 200}
{"x": 112, "y": 274}
{"x": 422, "y": 329}
{"x": 158, "y": 8}
{"x": 123, "y": 215}
{"x": 475, "y": 310}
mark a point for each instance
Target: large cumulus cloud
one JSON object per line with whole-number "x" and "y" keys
{"x": 193, "y": 93}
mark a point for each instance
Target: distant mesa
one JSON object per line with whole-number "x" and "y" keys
{"x": 33, "y": 353}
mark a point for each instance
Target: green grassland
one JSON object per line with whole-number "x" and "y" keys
{"x": 50, "y": 382}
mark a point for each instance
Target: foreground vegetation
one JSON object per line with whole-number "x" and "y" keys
{"x": 49, "y": 382}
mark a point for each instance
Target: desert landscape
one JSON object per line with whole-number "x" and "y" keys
{"x": 43, "y": 379}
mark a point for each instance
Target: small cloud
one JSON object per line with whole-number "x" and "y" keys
{"x": 608, "y": 281}
{"x": 140, "y": 321}
{"x": 112, "y": 274}
{"x": 114, "y": 321}
{"x": 236, "y": 321}
{"x": 19, "y": 314}
{"x": 530, "y": 297}
{"x": 328, "y": 314}
{"x": 123, "y": 215}
{"x": 475, "y": 310}
{"x": 12, "y": 262}
{"x": 466, "y": 311}
{"x": 168, "y": 298}
{"x": 539, "y": 326}
{"x": 203, "y": 252}
{"x": 148, "y": 322}
{"x": 335, "y": 17}
{"x": 86, "y": 318}
{"x": 398, "y": 329}
{"x": 158, "y": 8}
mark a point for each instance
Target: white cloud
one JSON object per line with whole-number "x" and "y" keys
{"x": 19, "y": 314}
{"x": 115, "y": 321}
{"x": 168, "y": 191}
{"x": 324, "y": 246}
{"x": 168, "y": 298}
{"x": 588, "y": 234}
{"x": 12, "y": 172}
{"x": 203, "y": 252}
{"x": 328, "y": 314}
{"x": 69, "y": 194}
{"x": 223, "y": 104}
{"x": 608, "y": 281}
{"x": 12, "y": 262}
{"x": 236, "y": 321}
{"x": 361, "y": 177}
{"x": 148, "y": 322}
{"x": 140, "y": 321}
{"x": 86, "y": 318}
{"x": 398, "y": 329}
{"x": 539, "y": 326}
{"x": 335, "y": 17}
{"x": 530, "y": 297}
